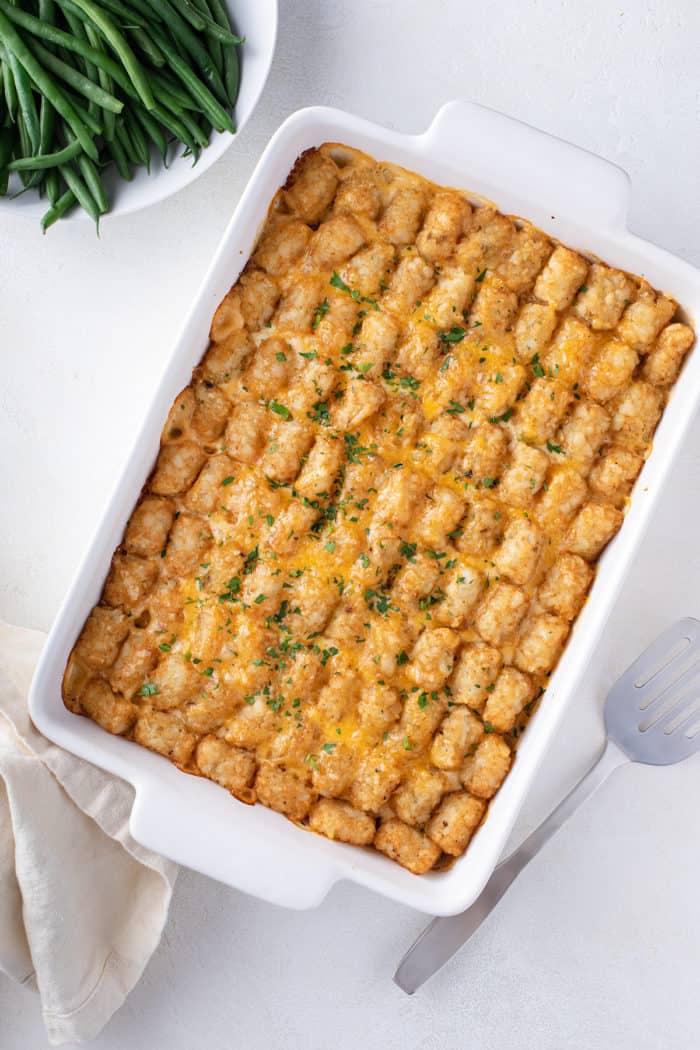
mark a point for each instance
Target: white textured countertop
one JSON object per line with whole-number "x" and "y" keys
{"x": 596, "y": 946}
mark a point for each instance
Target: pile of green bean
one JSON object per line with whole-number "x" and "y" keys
{"x": 88, "y": 84}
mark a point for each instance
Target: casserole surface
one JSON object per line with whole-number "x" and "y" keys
{"x": 376, "y": 507}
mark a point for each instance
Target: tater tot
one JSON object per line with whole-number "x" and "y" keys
{"x": 511, "y": 691}
{"x": 475, "y": 672}
{"x": 418, "y": 795}
{"x": 459, "y": 731}
{"x": 486, "y": 449}
{"x": 443, "y": 510}
{"x": 232, "y": 767}
{"x": 533, "y": 330}
{"x": 501, "y": 612}
{"x": 164, "y": 732}
{"x": 312, "y": 185}
{"x": 592, "y": 529}
{"x": 461, "y": 592}
{"x": 412, "y": 278}
{"x": 564, "y": 495}
{"x": 611, "y": 371}
{"x": 335, "y": 241}
{"x": 561, "y": 278}
{"x": 148, "y": 527}
{"x": 287, "y": 444}
{"x": 603, "y": 297}
{"x": 455, "y": 821}
{"x": 636, "y": 413}
{"x": 112, "y": 712}
{"x": 101, "y": 637}
{"x": 565, "y": 587}
{"x": 280, "y": 789}
{"x": 130, "y": 579}
{"x": 583, "y": 433}
{"x": 433, "y": 657}
{"x": 176, "y": 468}
{"x": 613, "y": 476}
{"x": 442, "y": 226}
{"x": 282, "y": 246}
{"x": 664, "y": 362}
{"x": 524, "y": 475}
{"x": 518, "y": 555}
{"x": 495, "y": 306}
{"x": 483, "y": 774}
{"x": 407, "y": 846}
{"x": 542, "y": 410}
{"x": 541, "y": 644}
{"x": 479, "y": 530}
{"x": 342, "y": 822}
{"x": 401, "y": 219}
{"x": 644, "y": 318}
{"x": 520, "y": 268}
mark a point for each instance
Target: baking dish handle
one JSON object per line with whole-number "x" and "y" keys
{"x": 272, "y": 865}
{"x": 547, "y": 169}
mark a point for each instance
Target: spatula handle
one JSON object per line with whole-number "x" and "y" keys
{"x": 445, "y": 936}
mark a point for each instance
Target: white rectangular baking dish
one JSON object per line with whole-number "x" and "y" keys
{"x": 576, "y": 197}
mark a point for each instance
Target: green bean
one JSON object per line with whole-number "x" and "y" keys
{"x": 8, "y": 85}
{"x": 127, "y": 14}
{"x": 25, "y": 146}
{"x": 152, "y": 129}
{"x": 47, "y": 122}
{"x": 53, "y": 34}
{"x": 225, "y": 36}
{"x": 82, "y": 84}
{"x": 91, "y": 122}
{"x": 46, "y": 84}
{"x": 124, "y": 139}
{"x": 27, "y": 106}
{"x": 47, "y": 160}
{"x": 116, "y": 150}
{"x": 175, "y": 125}
{"x": 189, "y": 13}
{"x": 93, "y": 182}
{"x": 212, "y": 43}
{"x": 7, "y": 142}
{"x": 143, "y": 40}
{"x": 83, "y": 195}
{"x": 118, "y": 42}
{"x": 192, "y": 45}
{"x": 52, "y": 184}
{"x": 58, "y": 209}
{"x": 216, "y": 113}
{"x": 231, "y": 64}
{"x": 168, "y": 90}
{"x": 140, "y": 141}
{"x": 93, "y": 39}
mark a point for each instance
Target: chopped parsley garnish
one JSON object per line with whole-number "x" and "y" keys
{"x": 408, "y": 550}
{"x": 536, "y": 366}
{"x": 455, "y": 408}
{"x": 279, "y": 410}
{"x": 148, "y": 689}
{"x": 320, "y": 414}
{"x": 320, "y": 312}
{"x": 489, "y": 483}
{"x": 481, "y": 276}
{"x": 555, "y": 448}
{"x": 227, "y": 481}
{"x": 454, "y": 335}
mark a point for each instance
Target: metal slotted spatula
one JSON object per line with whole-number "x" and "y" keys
{"x": 652, "y": 715}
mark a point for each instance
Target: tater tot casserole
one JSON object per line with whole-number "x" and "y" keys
{"x": 377, "y": 508}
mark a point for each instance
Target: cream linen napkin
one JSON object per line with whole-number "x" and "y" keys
{"x": 82, "y": 906}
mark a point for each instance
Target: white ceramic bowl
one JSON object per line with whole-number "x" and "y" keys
{"x": 256, "y": 20}
{"x": 572, "y": 195}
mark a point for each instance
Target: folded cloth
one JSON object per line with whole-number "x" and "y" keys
{"x": 82, "y": 906}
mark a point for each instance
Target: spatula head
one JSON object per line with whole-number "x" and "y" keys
{"x": 653, "y": 710}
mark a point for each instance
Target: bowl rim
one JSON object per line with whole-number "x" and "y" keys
{"x": 32, "y": 206}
